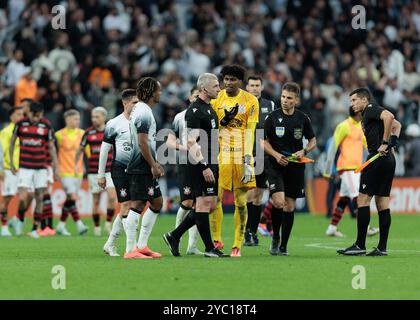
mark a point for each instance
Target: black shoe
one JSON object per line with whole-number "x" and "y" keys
{"x": 248, "y": 240}
{"x": 215, "y": 253}
{"x": 255, "y": 239}
{"x": 354, "y": 250}
{"x": 274, "y": 247}
{"x": 172, "y": 243}
{"x": 283, "y": 251}
{"x": 376, "y": 253}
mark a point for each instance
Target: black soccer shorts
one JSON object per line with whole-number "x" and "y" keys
{"x": 184, "y": 183}
{"x": 199, "y": 186}
{"x": 376, "y": 179}
{"x": 289, "y": 179}
{"x": 121, "y": 181}
{"x": 144, "y": 187}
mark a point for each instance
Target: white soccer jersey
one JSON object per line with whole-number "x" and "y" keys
{"x": 141, "y": 121}
{"x": 117, "y": 133}
{"x": 179, "y": 126}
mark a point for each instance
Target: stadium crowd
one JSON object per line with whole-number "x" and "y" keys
{"x": 108, "y": 45}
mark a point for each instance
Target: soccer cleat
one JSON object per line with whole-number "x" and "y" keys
{"x": 63, "y": 232}
{"x": 248, "y": 239}
{"x": 335, "y": 233}
{"x": 17, "y": 226}
{"x": 5, "y": 232}
{"x": 218, "y": 244}
{"x": 255, "y": 239}
{"x": 33, "y": 234}
{"x": 194, "y": 251}
{"x": 283, "y": 252}
{"x": 262, "y": 228}
{"x": 51, "y": 232}
{"x": 215, "y": 253}
{"x": 376, "y": 253}
{"x": 172, "y": 243}
{"x": 147, "y": 252}
{"x": 372, "y": 231}
{"x": 43, "y": 233}
{"x": 236, "y": 252}
{"x": 135, "y": 255}
{"x": 111, "y": 250}
{"x": 353, "y": 250}
{"x": 108, "y": 227}
{"x": 274, "y": 247}
{"x": 97, "y": 231}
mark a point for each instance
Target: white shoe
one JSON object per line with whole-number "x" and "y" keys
{"x": 17, "y": 225}
{"x": 337, "y": 234}
{"x": 108, "y": 227}
{"x": 111, "y": 250}
{"x": 5, "y": 232}
{"x": 82, "y": 229}
{"x": 194, "y": 251}
{"x": 372, "y": 231}
{"x": 97, "y": 231}
{"x": 33, "y": 234}
{"x": 63, "y": 231}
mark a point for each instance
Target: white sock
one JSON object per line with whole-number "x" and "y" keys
{"x": 115, "y": 231}
{"x": 192, "y": 237}
{"x": 61, "y": 225}
{"x": 180, "y": 215}
{"x": 331, "y": 228}
{"x": 79, "y": 224}
{"x": 124, "y": 223}
{"x": 131, "y": 229}
{"x": 147, "y": 223}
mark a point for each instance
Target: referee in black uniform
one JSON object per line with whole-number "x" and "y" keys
{"x": 382, "y": 132}
{"x": 284, "y": 130}
{"x": 202, "y": 124}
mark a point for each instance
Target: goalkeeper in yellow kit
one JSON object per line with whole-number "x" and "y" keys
{"x": 237, "y": 111}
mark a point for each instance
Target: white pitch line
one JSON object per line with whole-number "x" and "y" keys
{"x": 323, "y": 246}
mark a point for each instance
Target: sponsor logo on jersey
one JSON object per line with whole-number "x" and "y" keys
{"x": 210, "y": 189}
{"x": 297, "y": 133}
{"x": 279, "y": 132}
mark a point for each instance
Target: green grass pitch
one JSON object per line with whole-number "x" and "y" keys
{"x": 312, "y": 271}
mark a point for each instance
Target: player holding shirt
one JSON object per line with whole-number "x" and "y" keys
{"x": 117, "y": 137}
{"x": 238, "y": 112}
{"x": 91, "y": 142}
{"x": 34, "y": 134}
{"x": 8, "y": 179}
{"x": 382, "y": 132}
{"x": 284, "y": 130}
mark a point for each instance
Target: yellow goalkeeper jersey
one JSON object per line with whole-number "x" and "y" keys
{"x": 5, "y": 139}
{"x": 232, "y": 137}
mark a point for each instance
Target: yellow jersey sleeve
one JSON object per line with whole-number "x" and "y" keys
{"x": 58, "y": 137}
{"x": 253, "y": 108}
{"x": 340, "y": 133}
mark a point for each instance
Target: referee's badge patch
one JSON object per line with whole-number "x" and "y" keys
{"x": 297, "y": 133}
{"x": 279, "y": 132}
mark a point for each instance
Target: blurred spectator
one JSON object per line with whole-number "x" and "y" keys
{"x": 412, "y": 154}
{"x": 15, "y": 69}
{"x": 26, "y": 87}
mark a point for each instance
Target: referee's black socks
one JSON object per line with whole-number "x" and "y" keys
{"x": 384, "y": 224}
{"x": 276, "y": 220}
{"x": 363, "y": 220}
{"x": 186, "y": 224}
{"x": 254, "y": 215}
{"x": 203, "y": 226}
{"x": 286, "y": 227}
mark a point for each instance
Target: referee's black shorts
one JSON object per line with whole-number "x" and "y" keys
{"x": 200, "y": 187}
{"x": 121, "y": 181}
{"x": 289, "y": 179}
{"x": 184, "y": 183}
{"x": 376, "y": 178}
{"x": 261, "y": 179}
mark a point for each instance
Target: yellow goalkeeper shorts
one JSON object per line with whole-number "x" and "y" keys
{"x": 230, "y": 175}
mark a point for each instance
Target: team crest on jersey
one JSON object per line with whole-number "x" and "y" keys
{"x": 187, "y": 191}
{"x": 123, "y": 193}
{"x": 40, "y": 131}
{"x": 151, "y": 191}
{"x": 94, "y": 137}
{"x": 297, "y": 133}
{"x": 213, "y": 123}
{"x": 279, "y": 132}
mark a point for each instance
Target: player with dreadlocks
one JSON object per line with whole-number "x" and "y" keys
{"x": 144, "y": 171}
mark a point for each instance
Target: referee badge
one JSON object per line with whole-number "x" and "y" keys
{"x": 297, "y": 133}
{"x": 279, "y": 132}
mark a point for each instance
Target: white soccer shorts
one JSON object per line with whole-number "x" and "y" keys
{"x": 93, "y": 182}
{"x": 32, "y": 178}
{"x": 71, "y": 184}
{"x": 10, "y": 184}
{"x": 349, "y": 184}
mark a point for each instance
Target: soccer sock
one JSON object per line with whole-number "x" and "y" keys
{"x": 37, "y": 220}
{"x": 65, "y": 211}
{"x": 339, "y": 210}
{"x": 240, "y": 217}
{"x": 109, "y": 214}
{"x": 255, "y": 217}
{"x": 181, "y": 214}
{"x": 267, "y": 215}
{"x": 147, "y": 223}
{"x": 384, "y": 225}
{"x": 286, "y": 227}
{"x": 96, "y": 219}
{"x": 363, "y": 220}
{"x": 132, "y": 222}
{"x": 21, "y": 211}
{"x": 216, "y": 220}
{"x": 203, "y": 226}
{"x": 185, "y": 225}
{"x": 4, "y": 217}
{"x": 47, "y": 210}
{"x": 276, "y": 219}
{"x": 192, "y": 237}
{"x": 73, "y": 211}
{"x": 115, "y": 231}
{"x": 248, "y": 223}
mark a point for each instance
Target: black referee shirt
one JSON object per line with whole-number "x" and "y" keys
{"x": 373, "y": 126}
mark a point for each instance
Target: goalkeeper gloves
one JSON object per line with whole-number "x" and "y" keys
{"x": 248, "y": 171}
{"x": 229, "y": 115}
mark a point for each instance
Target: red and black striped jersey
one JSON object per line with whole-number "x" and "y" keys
{"x": 93, "y": 138}
{"x": 47, "y": 151}
{"x": 34, "y": 137}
